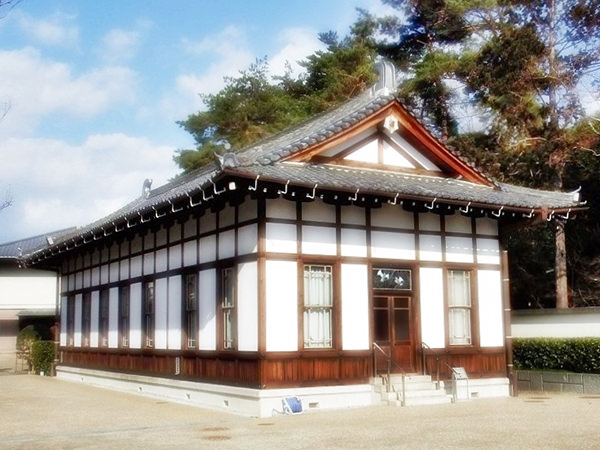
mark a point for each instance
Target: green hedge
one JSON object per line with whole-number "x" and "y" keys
{"x": 581, "y": 355}
{"x": 42, "y": 355}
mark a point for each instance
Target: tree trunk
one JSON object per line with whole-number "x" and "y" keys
{"x": 562, "y": 290}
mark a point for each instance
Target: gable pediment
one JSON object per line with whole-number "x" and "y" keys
{"x": 390, "y": 139}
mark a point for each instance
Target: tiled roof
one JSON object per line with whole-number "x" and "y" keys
{"x": 316, "y": 129}
{"x": 15, "y": 249}
{"x": 424, "y": 187}
{"x": 264, "y": 160}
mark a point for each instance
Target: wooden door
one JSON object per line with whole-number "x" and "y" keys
{"x": 393, "y": 331}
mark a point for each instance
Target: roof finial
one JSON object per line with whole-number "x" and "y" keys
{"x": 386, "y": 81}
{"x": 146, "y": 187}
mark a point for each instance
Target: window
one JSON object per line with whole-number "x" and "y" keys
{"x": 191, "y": 308}
{"x": 85, "y": 320}
{"x": 148, "y": 314}
{"x": 70, "y": 305}
{"x": 124, "y": 316}
{"x": 459, "y": 307}
{"x": 318, "y": 306}
{"x": 104, "y": 318}
{"x": 228, "y": 307}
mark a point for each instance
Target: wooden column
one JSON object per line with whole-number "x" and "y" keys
{"x": 562, "y": 290}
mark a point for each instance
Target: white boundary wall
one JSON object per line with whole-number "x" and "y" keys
{"x": 559, "y": 323}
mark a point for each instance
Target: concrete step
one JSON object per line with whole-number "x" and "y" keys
{"x": 418, "y": 390}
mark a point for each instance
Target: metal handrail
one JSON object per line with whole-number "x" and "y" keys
{"x": 437, "y": 363}
{"x": 390, "y": 361}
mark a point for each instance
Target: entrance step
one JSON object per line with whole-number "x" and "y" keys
{"x": 418, "y": 390}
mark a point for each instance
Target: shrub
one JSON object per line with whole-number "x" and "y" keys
{"x": 25, "y": 340}
{"x": 580, "y": 355}
{"x": 42, "y": 355}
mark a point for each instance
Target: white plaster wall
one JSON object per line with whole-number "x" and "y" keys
{"x": 227, "y": 216}
{"x": 431, "y": 285}
{"x": 148, "y": 263}
{"x": 189, "y": 227}
{"x": 281, "y": 238}
{"x": 113, "y": 317}
{"x": 488, "y": 251}
{"x": 430, "y": 247}
{"x": 94, "y": 318}
{"x": 63, "y": 320}
{"x": 319, "y": 240}
{"x": 208, "y": 222}
{"x": 247, "y": 210}
{"x": 459, "y": 249}
{"x": 207, "y": 249}
{"x": 160, "y": 313}
{"x": 124, "y": 269}
{"x": 318, "y": 211}
{"x": 247, "y": 239}
{"x": 161, "y": 260}
{"x": 77, "y": 325}
{"x": 486, "y": 225}
{"x": 27, "y": 288}
{"x": 104, "y": 272}
{"x": 175, "y": 256}
{"x": 354, "y": 242}
{"x": 429, "y": 222}
{"x": 227, "y": 244}
{"x": 135, "y": 315}
{"x": 281, "y": 208}
{"x": 78, "y": 280}
{"x": 136, "y": 266}
{"x": 391, "y": 245}
{"x": 114, "y": 271}
{"x": 175, "y": 232}
{"x": 565, "y": 323}
{"x": 353, "y": 215}
{"x": 491, "y": 323}
{"x": 392, "y": 216}
{"x": 207, "y": 305}
{"x": 457, "y": 223}
{"x": 174, "y": 313}
{"x": 86, "y": 278}
{"x": 282, "y": 306}
{"x": 355, "y": 307}
{"x": 190, "y": 253}
{"x": 247, "y": 324}
{"x": 96, "y": 275}
{"x": 161, "y": 237}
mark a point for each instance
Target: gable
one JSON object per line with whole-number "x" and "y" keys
{"x": 379, "y": 149}
{"x": 390, "y": 139}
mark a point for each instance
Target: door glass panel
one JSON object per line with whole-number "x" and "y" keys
{"x": 401, "y": 302}
{"x": 382, "y": 331}
{"x": 401, "y": 325}
{"x": 380, "y": 302}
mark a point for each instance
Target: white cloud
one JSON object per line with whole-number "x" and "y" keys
{"x": 36, "y": 87}
{"x": 54, "y": 30}
{"x": 222, "y": 54}
{"x": 123, "y": 45}
{"x": 120, "y": 45}
{"x": 56, "y": 185}
{"x": 298, "y": 43}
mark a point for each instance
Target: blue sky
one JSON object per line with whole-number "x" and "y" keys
{"x": 92, "y": 91}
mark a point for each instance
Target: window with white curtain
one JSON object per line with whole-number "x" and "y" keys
{"x": 228, "y": 308}
{"x": 459, "y": 307}
{"x": 318, "y": 306}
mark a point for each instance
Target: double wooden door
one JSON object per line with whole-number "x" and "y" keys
{"x": 393, "y": 330}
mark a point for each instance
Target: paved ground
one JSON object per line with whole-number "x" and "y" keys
{"x": 42, "y": 412}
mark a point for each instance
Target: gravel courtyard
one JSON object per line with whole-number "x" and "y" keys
{"x": 42, "y": 412}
